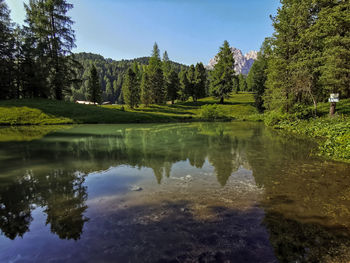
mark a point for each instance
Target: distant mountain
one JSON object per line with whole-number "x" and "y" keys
{"x": 243, "y": 63}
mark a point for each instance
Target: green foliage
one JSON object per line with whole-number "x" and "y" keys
{"x": 7, "y": 50}
{"x": 94, "y": 89}
{"x": 332, "y": 134}
{"x": 257, "y": 75}
{"x": 309, "y": 57}
{"x": 200, "y": 81}
{"x": 173, "y": 86}
{"x": 53, "y": 39}
{"x": 184, "y": 85}
{"x": 243, "y": 86}
{"x": 156, "y": 77}
{"x": 223, "y": 74}
{"x": 146, "y": 92}
{"x": 212, "y": 112}
{"x": 131, "y": 89}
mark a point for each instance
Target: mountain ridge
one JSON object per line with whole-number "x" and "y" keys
{"x": 243, "y": 63}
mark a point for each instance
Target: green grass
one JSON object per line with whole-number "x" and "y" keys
{"x": 331, "y": 133}
{"x": 47, "y": 112}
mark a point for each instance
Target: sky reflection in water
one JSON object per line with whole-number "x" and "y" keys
{"x": 210, "y": 192}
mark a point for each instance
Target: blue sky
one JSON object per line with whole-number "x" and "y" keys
{"x": 190, "y": 30}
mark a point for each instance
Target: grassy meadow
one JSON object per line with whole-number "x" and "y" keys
{"x": 48, "y": 112}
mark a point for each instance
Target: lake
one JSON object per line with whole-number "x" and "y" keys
{"x": 190, "y": 192}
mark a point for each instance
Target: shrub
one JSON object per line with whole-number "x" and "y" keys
{"x": 274, "y": 118}
{"x": 212, "y": 112}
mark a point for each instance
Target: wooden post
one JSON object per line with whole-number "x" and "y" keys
{"x": 334, "y": 98}
{"x": 332, "y": 109}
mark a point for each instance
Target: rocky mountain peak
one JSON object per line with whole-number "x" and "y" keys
{"x": 243, "y": 63}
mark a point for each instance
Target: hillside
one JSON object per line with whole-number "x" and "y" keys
{"x": 111, "y": 75}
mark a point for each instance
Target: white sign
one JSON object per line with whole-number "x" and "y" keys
{"x": 334, "y": 97}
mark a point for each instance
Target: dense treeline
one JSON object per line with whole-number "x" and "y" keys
{"x": 36, "y": 59}
{"x": 306, "y": 59}
{"x": 159, "y": 82}
{"x": 111, "y": 75}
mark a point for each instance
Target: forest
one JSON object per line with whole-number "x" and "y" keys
{"x": 306, "y": 59}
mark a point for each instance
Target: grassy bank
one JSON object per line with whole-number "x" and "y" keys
{"x": 331, "y": 134}
{"x": 47, "y": 112}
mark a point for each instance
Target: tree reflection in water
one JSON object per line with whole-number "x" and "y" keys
{"x": 306, "y": 200}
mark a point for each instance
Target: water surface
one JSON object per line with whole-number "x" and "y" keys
{"x": 207, "y": 192}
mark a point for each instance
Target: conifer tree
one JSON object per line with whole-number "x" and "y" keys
{"x": 223, "y": 73}
{"x": 200, "y": 79}
{"x": 54, "y": 40}
{"x": 257, "y": 75}
{"x": 131, "y": 89}
{"x": 146, "y": 92}
{"x": 242, "y": 83}
{"x": 334, "y": 25}
{"x": 166, "y": 64}
{"x": 184, "y": 85}
{"x": 156, "y": 78}
{"x": 191, "y": 83}
{"x": 6, "y": 53}
{"x": 173, "y": 86}
{"x": 94, "y": 87}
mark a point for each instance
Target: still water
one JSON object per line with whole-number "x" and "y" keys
{"x": 199, "y": 192}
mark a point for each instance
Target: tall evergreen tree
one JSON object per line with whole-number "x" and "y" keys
{"x": 156, "y": 78}
{"x": 200, "y": 80}
{"x": 184, "y": 85}
{"x": 166, "y": 64}
{"x": 242, "y": 82}
{"x": 131, "y": 89}
{"x": 146, "y": 92}
{"x": 223, "y": 74}
{"x": 257, "y": 75}
{"x": 54, "y": 40}
{"x": 94, "y": 87}
{"x": 6, "y": 53}
{"x": 191, "y": 83}
{"x": 173, "y": 86}
{"x": 333, "y": 25}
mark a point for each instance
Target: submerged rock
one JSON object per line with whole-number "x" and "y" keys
{"x": 136, "y": 188}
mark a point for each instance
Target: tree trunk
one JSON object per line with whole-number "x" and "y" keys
{"x": 332, "y": 109}
{"x": 222, "y": 100}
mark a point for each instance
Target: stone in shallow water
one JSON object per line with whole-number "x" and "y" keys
{"x": 136, "y": 188}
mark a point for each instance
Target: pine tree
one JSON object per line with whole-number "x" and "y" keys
{"x": 200, "y": 80}
{"x": 242, "y": 83}
{"x": 333, "y": 25}
{"x": 156, "y": 79}
{"x": 131, "y": 89}
{"x": 166, "y": 65}
{"x": 190, "y": 90}
{"x": 146, "y": 92}
{"x": 94, "y": 87}
{"x": 223, "y": 74}
{"x": 173, "y": 86}
{"x": 257, "y": 75}
{"x": 184, "y": 85}
{"x": 6, "y": 53}
{"x": 54, "y": 40}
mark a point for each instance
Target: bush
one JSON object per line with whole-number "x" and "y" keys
{"x": 274, "y": 118}
{"x": 212, "y": 112}
{"x": 302, "y": 112}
